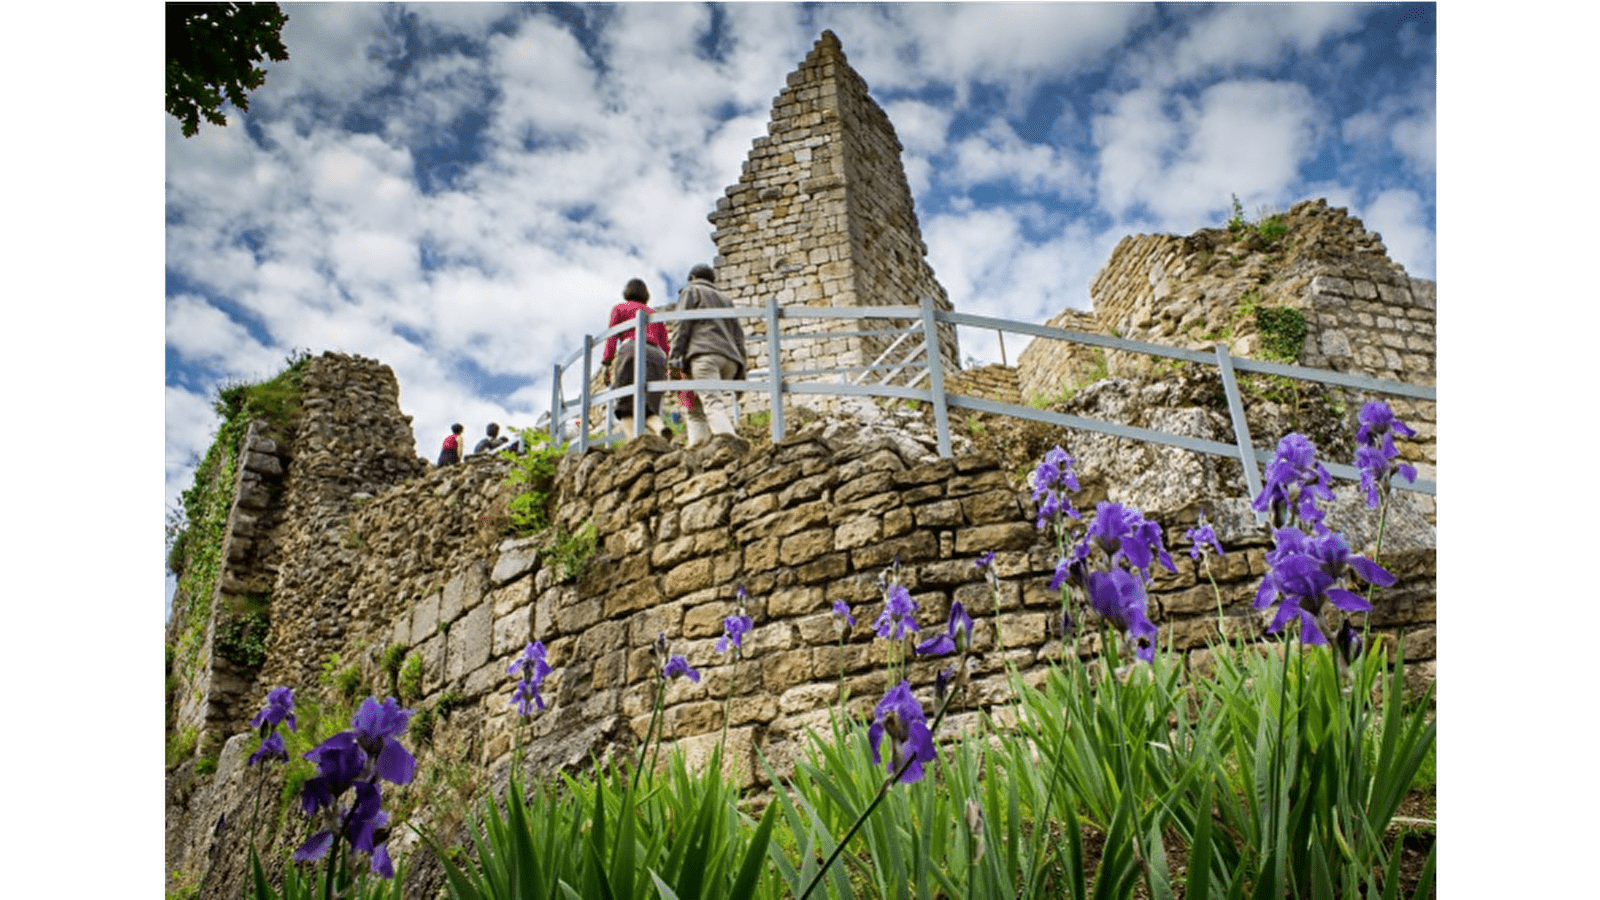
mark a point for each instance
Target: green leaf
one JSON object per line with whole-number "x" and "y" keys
{"x": 744, "y": 885}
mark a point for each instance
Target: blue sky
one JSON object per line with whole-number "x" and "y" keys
{"x": 460, "y": 190}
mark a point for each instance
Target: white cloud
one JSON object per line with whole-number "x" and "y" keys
{"x": 1230, "y": 39}
{"x": 601, "y": 163}
{"x": 997, "y": 153}
{"x": 1180, "y": 158}
{"x": 1401, "y": 217}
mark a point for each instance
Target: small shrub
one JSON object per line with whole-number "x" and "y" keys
{"x": 206, "y": 765}
{"x": 1272, "y": 229}
{"x": 569, "y": 554}
{"x": 531, "y": 475}
{"x": 449, "y": 701}
{"x": 180, "y": 746}
{"x": 1236, "y": 222}
{"x": 389, "y": 662}
{"x": 242, "y": 639}
{"x": 408, "y": 685}
{"x": 1283, "y": 332}
{"x": 422, "y": 723}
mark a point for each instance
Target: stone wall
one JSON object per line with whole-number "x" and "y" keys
{"x": 822, "y": 216}
{"x": 210, "y": 695}
{"x": 813, "y": 519}
{"x": 1363, "y": 313}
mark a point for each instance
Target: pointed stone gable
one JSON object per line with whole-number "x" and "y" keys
{"x": 822, "y": 216}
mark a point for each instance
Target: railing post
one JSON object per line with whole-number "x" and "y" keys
{"x": 774, "y": 367}
{"x": 638, "y": 373}
{"x": 1241, "y": 429}
{"x": 930, "y": 343}
{"x": 555, "y": 408}
{"x": 583, "y": 411}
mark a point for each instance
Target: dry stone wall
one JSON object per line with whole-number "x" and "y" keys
{"x": 800, "y": 524}
{"x": 1363, "y": 313}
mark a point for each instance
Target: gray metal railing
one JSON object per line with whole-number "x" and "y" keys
{"x": 775, "y": 382}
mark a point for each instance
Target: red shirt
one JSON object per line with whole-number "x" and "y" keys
{"x": 655, "y": 332}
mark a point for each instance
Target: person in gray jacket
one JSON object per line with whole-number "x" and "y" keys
{"x": 708, "y": 349}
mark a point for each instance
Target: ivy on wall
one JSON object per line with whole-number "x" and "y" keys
{"x": 195, "y": 529}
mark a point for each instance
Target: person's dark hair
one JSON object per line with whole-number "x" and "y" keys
{"x": 493, "y": 429}
{"x": 636, "y": 291}
{"x": 703, "y": 272}
{"x": 457, "y": 428}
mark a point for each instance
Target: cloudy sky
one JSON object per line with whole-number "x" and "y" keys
{"x": 460, "y": 190}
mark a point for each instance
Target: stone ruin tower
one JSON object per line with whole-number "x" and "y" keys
{"x": 822, "y": 216}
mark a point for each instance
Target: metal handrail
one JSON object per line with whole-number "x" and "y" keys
{"x": 775, "y": 381}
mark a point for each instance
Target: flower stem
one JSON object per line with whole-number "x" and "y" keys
{"x": 649, "y": 732}
{"x": 728, "y": 699}
{"x": 883, "y": 791}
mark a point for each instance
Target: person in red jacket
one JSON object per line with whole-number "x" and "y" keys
{"x": 619, "y": 355}
{"x": 450, "y": 452}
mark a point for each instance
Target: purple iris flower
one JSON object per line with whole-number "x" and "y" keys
{"x": 1050, "y": 480}
{"x": 356, "y": 759}
{"x": 279, "y": 709}
{"x": 842, "y": 610}
{"x": 1294, "y": 481}
{"x": 1377, "y": 419}
{"x": 957, "y": 635}
{"x": 1119, "y": 598}
{"x": 377, "y": 727}
{"x": 899, "y": 614}
{"x": 734, "y": 628}
{"x": 1348, "y": 641}
{"x": 1124, "y": 533}
{"x": 985, "y": 561}
{"x": 1303, "y": 571}
{"x": 1377, "y": 458}
{"x": 899, "y": 718}
{"x": 531, "y": 670}
{"x": 1201, "y": 536}
{"x": 271, "y": 748}
{"x": 677, "y": 666}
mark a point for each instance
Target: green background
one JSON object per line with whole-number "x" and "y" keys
{"x": 84, "y": 460}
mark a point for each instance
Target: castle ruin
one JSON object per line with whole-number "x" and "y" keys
{"x": 354, "y": 546}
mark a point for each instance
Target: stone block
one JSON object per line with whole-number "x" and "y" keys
{"x": 991, "y": 506}
{"x": 782, "y": 671}
{"x": 512, "y": 596}
{"x": 641, "y": 594}
{"x": 858, "y": 532}
{"x": 516, "y": 559}
{"x": 805, "y": 546}
{"x": 576, "y": 615}
{"x": 432, "y": 653}
{"x": 920, "y": 545}
{"x": 694, "y": 575}
{"x": 425, "y": 617}
{"x": 942, "y": 513}
{"x": 1002, "y": 536}
{"x": 469, "y": 642}
{"x": 512, "y": 632}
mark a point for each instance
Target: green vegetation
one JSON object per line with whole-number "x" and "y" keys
{"x": 212, "y": 51}
{"x": 180, "y": 746}
{"x": 570, "y": 554}
{"x": 195, "y": 529}
{"x": 1283, "y": 332}
{"x": 531, "y": 476}
{"x": 242, "y": 631}
{"x": 389, "y": 662}
{"x": 408, "y": 687}
{"x": 1269, "y": 226}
